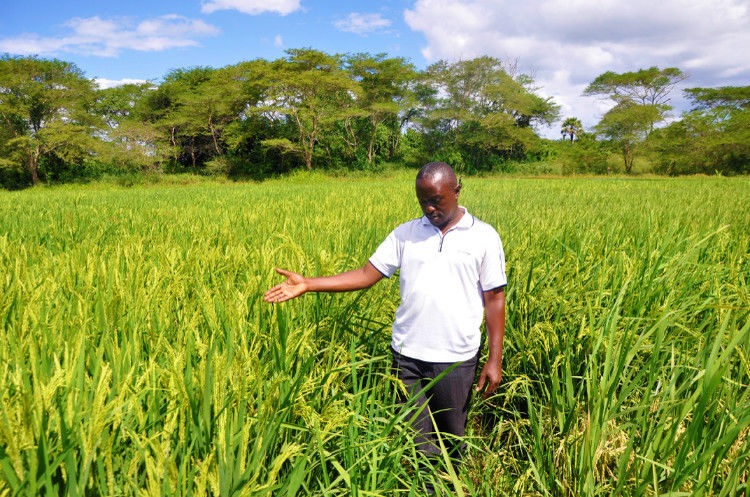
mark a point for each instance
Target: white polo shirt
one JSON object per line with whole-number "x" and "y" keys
{"x": 442, "y": 279}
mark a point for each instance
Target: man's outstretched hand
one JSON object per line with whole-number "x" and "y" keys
{"x": 294, "y": 286}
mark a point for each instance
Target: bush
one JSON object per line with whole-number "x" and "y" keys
{"x": 585, "y": 156}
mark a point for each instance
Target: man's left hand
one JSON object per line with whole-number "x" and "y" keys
{"x": 491, "y": 375}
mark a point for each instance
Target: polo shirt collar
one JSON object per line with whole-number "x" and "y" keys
{"x": 466, "y": 221}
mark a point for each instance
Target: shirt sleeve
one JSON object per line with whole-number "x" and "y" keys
{"x": 492, "y": 269}
{"x": 387, "y": 257}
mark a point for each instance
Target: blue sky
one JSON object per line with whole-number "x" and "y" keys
{"x": 563, "y": 44}
{"x": 222, "y": 37}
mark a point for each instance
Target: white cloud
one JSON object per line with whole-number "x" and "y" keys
{"x": 362, "y": 23}
{"x": 104, "y": 83}
{"x": 108, "y": 37}
{"x": 278, "y": 41}
{"x": 252, "y": 7}
{"x": 567, "y": 43}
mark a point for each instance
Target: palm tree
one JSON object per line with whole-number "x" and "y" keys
{"x": 571, "y": 127}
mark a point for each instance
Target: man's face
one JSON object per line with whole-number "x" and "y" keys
{"x": 438, "y": 198}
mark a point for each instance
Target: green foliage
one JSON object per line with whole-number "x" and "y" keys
{"x": 412, "y": 149}
{"x": 584, "y": 156}
{"x": 650, "y": 86}
{"x": 641, "y": 101}
{"x": 482, "y": 112}
{"x": 706, "y": 142}
{"x": 726, "y": 97}
{"x": 313, "y": 90}
{"x": 712, "y": 138}
{"x": 626, "y": 125}
{"x": 139, "y": 359}
{"x": 130, "y": 143}
{"x": 385, "y": 94}
{"x": 342, "y": 113}
{"x": 44, "y": 113}
{"x": 571, "y": 127}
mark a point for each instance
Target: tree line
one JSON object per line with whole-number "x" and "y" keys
{"x": 714, "y": 136}
{"x": 310, "y": 109}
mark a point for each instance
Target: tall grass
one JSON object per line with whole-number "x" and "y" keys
{"x": 138, "y": 359}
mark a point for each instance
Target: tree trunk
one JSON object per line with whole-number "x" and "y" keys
{"x": 628, "y": 158}
{"x": 33, "y": 168}
{"x": 213, "y": 135}
{"x": 395, "y": 140}
{"x": 369, "y": 149}
{"x": 374, "y": 123}
{"x": 311, "y": 141}
{"x": 350, "y": 138}
{"x": 174, "y": 146}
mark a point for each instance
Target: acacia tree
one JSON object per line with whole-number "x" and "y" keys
{"x": 189, "y": 112}
{"x": 571, "y": 127}
{"x": 130, "y": 140}
{"x": 385, "y": 91}
{"x": 213, "y": 104}
{"x": 650, "y": 86}
{"x": 311, "y": 88}
{"x": 627, "y": 124}
{"x": 728, "y": 98}
{"x": 713, "y": 136}
{"x": 641, "y": 100}
{"x": 484, "y": 108}
{"x": 44, "y": 110}
{"x": 182, "y": 119}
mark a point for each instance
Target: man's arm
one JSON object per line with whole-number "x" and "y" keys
{"x": 494, "y": 308}
{"x": 296, "y": 284}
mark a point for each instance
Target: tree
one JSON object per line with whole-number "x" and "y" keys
{"x": 589, "y": 156}
{"x": 116, "y": 104}
{"x": 627, "y": 124}
{"x": 215, "y": 103}
{"x": 647, "y": 87}
{"x": 183, "y": 119}
{"x": 44, "y": 110}
{"x": 650, "y": 86}
{"x": 311, "y": 88}
{"x": 385, "y": 91}
{"x": 571, "y": 127}
{"x": 641, "y": 100}
{"x": 483, "y": 109}
{"x": 713, "y": 136}
{"x": 130, "y": 140}
{"x": 730, "y": 98}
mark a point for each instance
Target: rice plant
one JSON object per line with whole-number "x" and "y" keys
{"x": 137, "y": 357}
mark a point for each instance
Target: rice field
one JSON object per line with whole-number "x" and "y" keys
{"x": 137, "y": 356}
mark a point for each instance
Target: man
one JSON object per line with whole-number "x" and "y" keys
{"x": 452, "y": 273}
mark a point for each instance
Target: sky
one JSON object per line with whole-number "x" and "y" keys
{"x": 563, "y": 44}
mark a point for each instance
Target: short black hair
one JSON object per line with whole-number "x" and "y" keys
{"x": 433, "y": 169}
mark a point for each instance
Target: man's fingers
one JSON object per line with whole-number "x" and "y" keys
{"x": 482, "y": 378}
{"x": 273, "y": 289}
{"x": 270, "y": 297}
{"x": 273, "y": 294}
{"x": 283, "y": 272}
{"x": 491, "y": 387}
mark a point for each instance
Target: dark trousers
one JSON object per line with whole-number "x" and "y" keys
{"x": 447, "y": 400}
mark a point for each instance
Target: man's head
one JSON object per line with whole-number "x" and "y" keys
{"x": 437, "y": 193}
